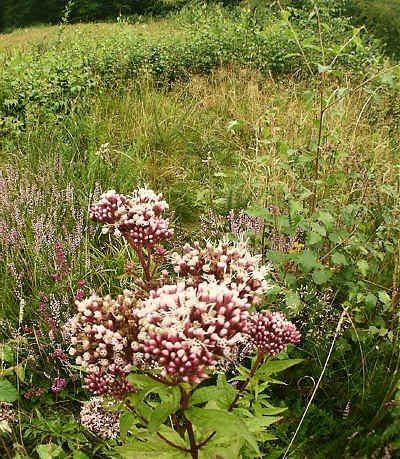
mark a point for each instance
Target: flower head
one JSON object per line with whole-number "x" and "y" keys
{"x": 99, "y": 335}
{"x": 137, "y": 217}
{"x": 185, "y": 330}
{"x": 97, "y": 416}
{"x": 230, "y": 264}
{"x": 271, "y": 332}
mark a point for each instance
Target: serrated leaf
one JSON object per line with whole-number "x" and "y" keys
{"x": 49, "y": 451}
{"x": 227, "y": 424}
{"x": 8, "y": 393}
{"x": 259, "y": 423}
{"x": 205, "y": 394}
{"x": 275, "y": 366}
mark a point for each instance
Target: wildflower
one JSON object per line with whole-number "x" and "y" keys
{"x": 136, "y": 217}
{"x": 99, "y": 338}
{"x": 58, "y": 384}
{"x": 97, "y": 416}
{"x": 271, "y": 332}
{"x": 7, "y": 416}
{"x": 230, "y": 264}
{"x": 185, "y": 330}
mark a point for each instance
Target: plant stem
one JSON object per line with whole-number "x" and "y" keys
{"x": 260, "y": 357}
{"x": 170, "y": 443}
{"x": 194, "y": 449}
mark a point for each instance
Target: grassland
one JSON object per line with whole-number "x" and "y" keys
{"x": 231, "y": 137}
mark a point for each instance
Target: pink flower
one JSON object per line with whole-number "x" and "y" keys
{"x": 58, "y": 384}
{"x": 136, "y": 217}
{"x": 271, "y": 332}
{"x": 185, "y": 330}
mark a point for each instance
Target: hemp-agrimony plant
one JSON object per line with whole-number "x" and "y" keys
{"x": 161, "y": 350}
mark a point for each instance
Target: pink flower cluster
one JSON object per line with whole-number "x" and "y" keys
{"x": 58, "y": 384}
{"x": 185, "y": 330}
{"x": 99, "y": 338}
{"x": 137, "y": 217}
{"x": 34, "y": 392}
{"x": 271, "y": 332}
{"x": 99, "y": 417}
{"x": 7, "y": 413}
{"x": 230, "y": 264}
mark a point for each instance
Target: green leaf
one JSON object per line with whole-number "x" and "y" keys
{"x": 370, "y": 301}
{"x": 6, "y": 353}
{"x": 205, "y": 394}
{"x": 257, "y": 211}
{"x": 259, "y": 423}
{"x": 79, "y": 455}
{"x": 313, "y": 238}
{"x": 49, "y": 451}
{"x": 227, "y": 424}
{"x": 363, "y": 267}
{"x": 293, "y": 301}
{"x": 20, "y": 372}
{"x": 160, "y": 414}
{"x": 326, "y": 218}
{"x": 308, "y": 260}
{"x": 275, "y": 366}
{"x": 8, "y": 393}
{"x": 322, "y": 276}
{"x": 384, "y": 297}
{"x": 339, "y": 259}
{"x": 126, "y": 421}
{"x": 271, "y": 410}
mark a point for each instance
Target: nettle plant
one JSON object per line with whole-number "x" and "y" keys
{"x": 158, "y": 356}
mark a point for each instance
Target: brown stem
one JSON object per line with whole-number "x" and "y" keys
{"x": 159, "y": 379}
{"x": 145, "y": 264}
{"x": 194, "y": 449}
{"x": 260, "y": 358}
{"x": 317, "y": 157}
{"x": 170, "y": 443}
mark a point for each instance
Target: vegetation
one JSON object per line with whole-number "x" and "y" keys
{"x": 274, "y": 124}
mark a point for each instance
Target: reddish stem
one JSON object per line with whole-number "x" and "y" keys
{"x": 260, "y": 357}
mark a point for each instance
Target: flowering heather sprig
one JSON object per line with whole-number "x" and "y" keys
{"x": 100, "y": 335}
{"x": 58, "y": 384}
{"x": 185, "y": 330}
{"x": 270, "y": 333}
{"x": 228, "y": 263}
{"x": 136, "y": 217}
{"x": 97, "y": 416}
{"x": 31, "y": 392}
{"x": 59, "y": 354}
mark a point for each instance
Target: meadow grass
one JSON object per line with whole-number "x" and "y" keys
{"x": 227, "y": 140}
